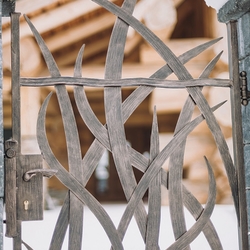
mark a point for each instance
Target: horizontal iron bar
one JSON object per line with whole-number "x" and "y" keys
{"x": 126, "y": 82}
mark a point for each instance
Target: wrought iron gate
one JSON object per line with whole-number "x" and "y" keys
{"x": 24, "y": 172}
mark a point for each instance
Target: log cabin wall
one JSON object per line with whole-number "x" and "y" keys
{"x": 194, "y": 20}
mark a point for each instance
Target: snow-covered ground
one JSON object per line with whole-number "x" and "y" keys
{"x": 216, "y": 4}
{"x": 38, "y": 234}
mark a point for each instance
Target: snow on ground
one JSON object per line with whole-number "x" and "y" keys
{"x": 38, "y": 234}
{"x": 216, "y": 4}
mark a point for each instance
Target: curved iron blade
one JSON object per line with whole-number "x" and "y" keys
{"x": 72, "y": 183}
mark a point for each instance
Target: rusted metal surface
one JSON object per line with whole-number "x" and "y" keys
{"x": 238, "y": 133}
{"x": 112, "y": 137}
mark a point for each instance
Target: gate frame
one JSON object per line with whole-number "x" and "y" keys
{"x": 238, "y": 137}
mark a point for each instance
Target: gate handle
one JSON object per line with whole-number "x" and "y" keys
{"x": 45, "y": 172}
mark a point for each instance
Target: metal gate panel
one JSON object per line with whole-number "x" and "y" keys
{"x": 112, "y": 137}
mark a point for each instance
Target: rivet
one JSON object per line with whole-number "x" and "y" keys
{"x": 10, "y": 153}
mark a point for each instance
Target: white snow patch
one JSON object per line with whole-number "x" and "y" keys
{"x": 216, "y": 4}
{"x": 38, "y": 234}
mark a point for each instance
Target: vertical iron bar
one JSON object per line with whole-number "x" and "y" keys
{"x": 17, "y": 241}
{"x": 1, "y": 136}
{"x": 10, "y": 188}
{"x": 238, "y": 133}
{"x": 15, "y": 78}
{"x": 16, "y": 109}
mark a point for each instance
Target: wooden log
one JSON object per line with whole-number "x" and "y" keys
{"x": 79, "y": 32}
{"x": 51, "y": 21}
{"x": 168, "y": 100}
{"x": 35, "y": 7}
{"x": 216, "y": 95}
{"x": 91, "y": 50}
{"x": 7, "y": 102}
{"x": 30, "y": 59}
{"x": 96, "y": 49}
{"x": 178, "y": 46}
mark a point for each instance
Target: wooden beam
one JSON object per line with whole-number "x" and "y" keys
{"x": 31, "y": 61}
{"x": 80, "y": 32}
{"x": 35, "y": 7}
{"x": 178, "y": 46}
{"x": 91, "y": 49}
{"x": 51, "y": 20}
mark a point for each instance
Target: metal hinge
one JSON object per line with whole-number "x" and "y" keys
{"x": 245, "y": 94}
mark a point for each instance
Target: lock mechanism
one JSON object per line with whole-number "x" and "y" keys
{"x": 24, "y": 186}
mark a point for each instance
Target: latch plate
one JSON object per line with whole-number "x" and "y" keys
{"x": 29, "y": 192}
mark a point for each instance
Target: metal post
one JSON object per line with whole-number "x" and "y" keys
{"x": 237, "y": 133}
{"x": 1, "y": 138}
{"x": 244, "y": 65}
{"x": 6, "y": 7}
{"x": 239, "y": 12}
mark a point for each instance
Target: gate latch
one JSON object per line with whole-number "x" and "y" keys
{"x": 45, "y": 172}
{"x": 245, "y": 94}
{"x": 24, "y": 186}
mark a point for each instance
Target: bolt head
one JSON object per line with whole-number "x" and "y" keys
{"x": 10, "y": 153}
